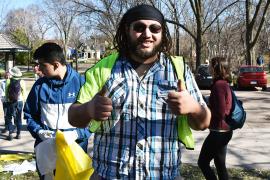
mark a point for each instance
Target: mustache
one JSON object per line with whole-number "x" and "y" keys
{"x": 143, "y": 39}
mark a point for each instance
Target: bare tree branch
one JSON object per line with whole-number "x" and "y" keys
{"x": 261, "y": 24}
{"x": 225, "y": 8}
{"x": 182, "y": 26}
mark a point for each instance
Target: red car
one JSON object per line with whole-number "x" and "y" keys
{"x": 252, "y": 76}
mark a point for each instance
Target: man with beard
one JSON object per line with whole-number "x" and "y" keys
{"x": 136, "y": 105}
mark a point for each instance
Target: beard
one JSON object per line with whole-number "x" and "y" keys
{"x": 134, "y": 48}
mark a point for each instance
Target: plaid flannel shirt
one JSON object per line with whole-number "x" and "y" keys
{"x": 139, "y": 141}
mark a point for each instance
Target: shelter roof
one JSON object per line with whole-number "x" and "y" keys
{"x": 7, "y": 45}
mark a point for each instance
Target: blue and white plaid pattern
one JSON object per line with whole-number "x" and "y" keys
{"x": 140, "y": 139}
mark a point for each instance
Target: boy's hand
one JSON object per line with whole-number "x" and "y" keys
{"x": 46, "y": 134}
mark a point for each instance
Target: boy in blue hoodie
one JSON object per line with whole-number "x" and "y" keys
{"x": 48, "y": 102}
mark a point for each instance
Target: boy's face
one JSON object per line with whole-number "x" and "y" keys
{"x": 36, "y": 70}
{"x": 49, "y": 70}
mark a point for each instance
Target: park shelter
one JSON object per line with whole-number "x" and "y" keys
{"x": 8, "y": 49}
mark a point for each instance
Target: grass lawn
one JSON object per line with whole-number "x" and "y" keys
{"x": 188, "y": 172}
{"x": 191, "y": 172}
{"x": 8, "y": 175}
{"x": 26, "y": 176}
{"x": 28, "y": 74}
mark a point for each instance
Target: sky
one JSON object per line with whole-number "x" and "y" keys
{"x": 20, "y": 3}
{"x": 14, "y": 4}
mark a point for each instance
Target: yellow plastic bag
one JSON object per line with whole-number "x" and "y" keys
{"x": 72, "y": 162}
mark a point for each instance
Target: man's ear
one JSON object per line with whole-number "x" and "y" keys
{"x": 56, "y": 64}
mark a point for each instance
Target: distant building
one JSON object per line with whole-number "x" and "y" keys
{"x": 89, "y": 53}
{"x": 8, "y": 48}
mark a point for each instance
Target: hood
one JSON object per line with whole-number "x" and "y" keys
{"x": 58, "y": 82}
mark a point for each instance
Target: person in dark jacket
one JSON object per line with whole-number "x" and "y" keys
{"x": 15, "y": 91}
{"x": 48, "y": 102}
{"x": 220, "y": 102}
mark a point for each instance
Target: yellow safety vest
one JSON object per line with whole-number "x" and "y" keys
{"x": 100, "y": 72}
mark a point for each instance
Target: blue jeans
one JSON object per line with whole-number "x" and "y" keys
{"x": 14, "y": 110}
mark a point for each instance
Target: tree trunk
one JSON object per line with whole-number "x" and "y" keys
{"x": 248, "y": 55}
{"x": 177, "y": 42}
{"x": 198, "y": 50}
{"x": 248, "y": 33}
{"x": 76, "y": 60}
{"x": 199, "y": 40}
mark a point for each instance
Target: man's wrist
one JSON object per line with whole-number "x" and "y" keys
{"x": 88, "y": 108}
{"x": 197, "y": 117}
{"x": 197, "y": 109}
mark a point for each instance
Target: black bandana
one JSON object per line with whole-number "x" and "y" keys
{"x": 143, "y": 12}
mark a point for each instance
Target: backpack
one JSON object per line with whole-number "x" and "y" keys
{"x": 14, "y": 90}
{"x": 237, "y": 116}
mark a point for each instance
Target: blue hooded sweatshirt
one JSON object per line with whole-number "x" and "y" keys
{"x": 48, "y": 102}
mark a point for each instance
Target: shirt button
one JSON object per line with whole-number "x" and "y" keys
{"x": 140, "y": 146}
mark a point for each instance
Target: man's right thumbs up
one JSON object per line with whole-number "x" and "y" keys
{"x": 103, "y": 91}
{"x": 180, "y": 86}
{"x": 100, "y": 106}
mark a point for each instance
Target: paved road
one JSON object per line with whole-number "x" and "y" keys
{"x": 249, "y": 146}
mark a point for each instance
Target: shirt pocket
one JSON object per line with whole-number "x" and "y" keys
{"x": 163, "y": 89}
{"x": 117, "y": 91}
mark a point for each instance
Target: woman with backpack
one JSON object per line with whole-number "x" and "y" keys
{"x": 220, "y": 103}
{"x": 15, "y": 93}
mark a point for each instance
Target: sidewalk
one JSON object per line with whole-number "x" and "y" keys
{"x": 26, "y": 143}
{"x": 249, "y": 147}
